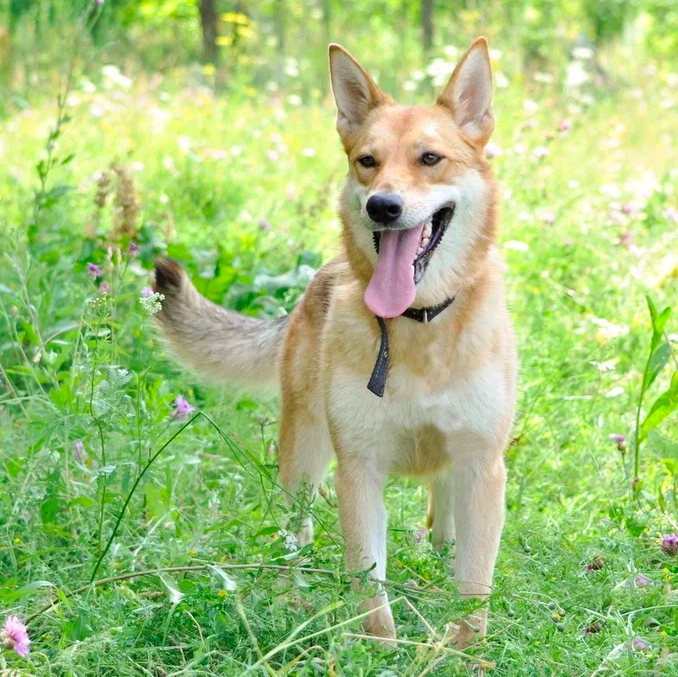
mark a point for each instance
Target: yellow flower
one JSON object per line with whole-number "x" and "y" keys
{"x": 222, "y": 593}
{"x": 17, "y": 540}
{"x": 191, "y": 553}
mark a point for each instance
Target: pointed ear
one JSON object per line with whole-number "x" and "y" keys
{"x": 355, "y": 93}
{"x": 469, "y": 93}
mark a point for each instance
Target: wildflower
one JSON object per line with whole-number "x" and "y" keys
{"x": 592, "y": 628}
{"x": 182, "y": 408}
{"x": 103, "y": 181}
{"x": 126, "y": 204}
{"x": 669, "y": 544}
{"x": 264, "y": 224}
{"x": 79, "y": 451}
{"x": 619, "y": 440}
{"x": 564, "y": 125}
{"x": 132, "y": 249}
{"x": 595, "y": 564}
{"x": 290, "y": 541}
{"x": 548, "y": 217}
{"x": 642, "y": 581}
{"x": 629, "y": 208}
{"x": 151, "y": 301}
{"x": 640, "y": 644}
{"x": 626, "y": 239}
{"x": 93, "y": 271}
{"x": 420, "y": 536}
{"x": 541, "y": 151}
{"x": 104, "y": 288}
{"x": 14, "y": 635}
{"x": 492, "y": 150}
{"x": 272, "y": 449}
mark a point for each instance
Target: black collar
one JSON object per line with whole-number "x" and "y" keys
{"x": 377, "y": 382}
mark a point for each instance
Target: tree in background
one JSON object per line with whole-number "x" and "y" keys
{"x": 427, "y": 25}
{"x": 209, "y": 22}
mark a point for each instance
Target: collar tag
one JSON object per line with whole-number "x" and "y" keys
{"x": 377, "y": 383}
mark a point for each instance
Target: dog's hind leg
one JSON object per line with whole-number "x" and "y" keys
{"x": 441, "y": 509}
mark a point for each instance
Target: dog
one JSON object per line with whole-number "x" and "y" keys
{"x": 401, "y": 357}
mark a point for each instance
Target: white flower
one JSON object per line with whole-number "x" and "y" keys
{"x": 604, "y": 367}
{"x": 582, "y": 53}
{"x": 517, "y": 245}
{"x": 151, "y": 303}
{"x": 289, "y": 540}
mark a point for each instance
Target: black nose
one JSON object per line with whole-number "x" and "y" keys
{"x": 384, "y": 207}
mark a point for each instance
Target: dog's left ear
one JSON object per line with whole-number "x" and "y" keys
{"x": 468, "y": 94}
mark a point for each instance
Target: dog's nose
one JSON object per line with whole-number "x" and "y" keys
{"x": 384, "y": 207}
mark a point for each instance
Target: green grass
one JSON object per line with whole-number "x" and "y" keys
{"x": 210, "y": 169}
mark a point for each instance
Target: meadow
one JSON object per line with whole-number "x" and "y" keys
{"x": 142, "y": 529}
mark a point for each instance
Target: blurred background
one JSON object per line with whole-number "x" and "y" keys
{"x": 247, "y": 47}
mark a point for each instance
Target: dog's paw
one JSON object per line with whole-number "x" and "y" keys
{"x": 468, "y": 631}
{"x": 380, "y": 622}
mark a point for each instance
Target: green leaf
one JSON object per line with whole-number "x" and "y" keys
{"x": 84, "y": 501}
{"x": 658, "y": 359}
{"x": 14, "y": 466}
{"x": 49, "y": 508}
{"x": 663, "y": 406}
{"x": 12, "y": 595}
{"x": 61, "y": 396}
{"x": 52, "y": 196}
{"x": 30, "y": 332}
{"x": 81, "y": 628}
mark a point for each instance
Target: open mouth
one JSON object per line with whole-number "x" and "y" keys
{"x": 402, "y": 258}
{"x": 431, "y": 236}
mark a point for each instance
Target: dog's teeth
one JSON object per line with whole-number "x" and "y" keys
{"x": 425, "y": 241}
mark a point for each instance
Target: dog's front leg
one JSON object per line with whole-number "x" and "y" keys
{"x": 363, "y": 523}
{"x": 479, "y": 519}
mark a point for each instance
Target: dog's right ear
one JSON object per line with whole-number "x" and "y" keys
{"x": 355, "y": 92}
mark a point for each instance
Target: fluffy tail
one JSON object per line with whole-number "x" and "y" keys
{"x": 219, "y": 343}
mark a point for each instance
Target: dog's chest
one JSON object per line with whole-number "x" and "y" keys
{"x": 469, "y": 404}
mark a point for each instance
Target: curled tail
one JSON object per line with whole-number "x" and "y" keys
{"x": 219, "y": 343}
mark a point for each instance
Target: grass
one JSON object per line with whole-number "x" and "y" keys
{"x": 196, "y": 579}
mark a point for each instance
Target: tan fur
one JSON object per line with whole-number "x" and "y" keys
{"x": 449, "y": 402}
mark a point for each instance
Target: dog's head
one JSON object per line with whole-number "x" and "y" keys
{"x": 418, "y": 203}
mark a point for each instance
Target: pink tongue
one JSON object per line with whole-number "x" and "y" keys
{"x": 391, "y": 290}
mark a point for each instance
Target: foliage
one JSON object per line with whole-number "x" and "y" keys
{"x": 177, "y": 518}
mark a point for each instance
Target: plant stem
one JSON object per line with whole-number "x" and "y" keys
{"x": 169, "y": 570}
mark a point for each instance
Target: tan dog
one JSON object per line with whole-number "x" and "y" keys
{"x": 441, "y": 398}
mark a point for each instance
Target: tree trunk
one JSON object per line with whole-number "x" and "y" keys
{"x": 427, "y": 25}
{"x": 209, "y": 24}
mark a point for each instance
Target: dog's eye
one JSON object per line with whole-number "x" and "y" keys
{"x": 430, "y": 159}
{"x": 367, "y": 161}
